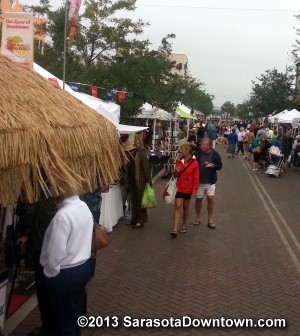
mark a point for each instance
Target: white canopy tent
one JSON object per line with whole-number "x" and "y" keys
{"x": 110, "y": 111}
{"x": 275, "y": 117}
{"x": 287, "y": 116}
{"x": 150, "y": 112}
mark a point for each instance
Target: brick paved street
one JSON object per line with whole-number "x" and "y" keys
{"x": 240, "y": 270}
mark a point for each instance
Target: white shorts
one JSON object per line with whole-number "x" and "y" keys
{"x": 208, "y": 189}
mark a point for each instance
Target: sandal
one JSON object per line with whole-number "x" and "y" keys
{"x": 211, "y": 225}
{"x": 173, "y": 234}
{"x": 183, "y": 230}
{"x": 197, "y": 222}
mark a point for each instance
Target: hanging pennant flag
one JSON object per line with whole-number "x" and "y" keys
{"x": 73, "y": 20}
{"x": 54, "y": 81}
{"x": 94, "y": 91}
{"x": 109, "y": 96}
{"x": 74, "y": 86}
{"x": 121, "y": 96}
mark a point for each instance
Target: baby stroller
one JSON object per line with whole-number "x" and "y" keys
{"x": 276, "y": 162}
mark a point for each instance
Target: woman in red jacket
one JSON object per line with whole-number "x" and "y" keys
{"x": 187, "y": 173}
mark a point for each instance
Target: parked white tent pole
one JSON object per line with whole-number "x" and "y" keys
{"x": 153, "y": 135}
{"x": 65, "y": 44}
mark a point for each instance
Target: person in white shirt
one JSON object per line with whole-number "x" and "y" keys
{"x": 65, "y": 259}
{"x": 241, "y": 137}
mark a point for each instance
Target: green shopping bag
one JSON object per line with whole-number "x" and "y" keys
{"x": 148, "y": 198}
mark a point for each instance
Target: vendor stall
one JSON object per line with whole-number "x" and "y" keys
{"x": 150, "y": 112}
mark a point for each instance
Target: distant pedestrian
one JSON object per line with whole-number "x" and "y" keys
{"x": 232, "y": 141}
{"x": 187, "y": 173}
{"x": 212, "y": 133}
{"x": 249, "y": 139}
{"x": 200, "y": 133}
{"x": 257, "y": 153}
{"x": 209, "y": 161}
{"x": 241, "y": 137}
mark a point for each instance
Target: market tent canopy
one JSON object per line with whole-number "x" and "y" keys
{"x": 184, "y": 115}
{"x": 51, "y": 143}
{"x": 288, "y": 116}
{"x": 110, "y": 111}
{"x": 276, "y": 116}
{"x": 150, "y": 112}
{"x": 184, "y": 111}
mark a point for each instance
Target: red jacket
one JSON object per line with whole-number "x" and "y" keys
{"x": 188, "y": 182}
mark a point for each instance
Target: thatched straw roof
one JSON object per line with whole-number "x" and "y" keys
{"x": 50, "y": 142}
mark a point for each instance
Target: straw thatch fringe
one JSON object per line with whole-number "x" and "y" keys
{"x": 50, "y": 143}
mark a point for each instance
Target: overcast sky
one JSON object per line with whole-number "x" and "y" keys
{"x": 228, "y": 43}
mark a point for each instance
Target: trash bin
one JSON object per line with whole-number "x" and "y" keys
{"x": 3, "y": 286}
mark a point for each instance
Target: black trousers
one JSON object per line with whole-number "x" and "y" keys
{"x": 66, "y": 297}
{"x": 240, "y": 147}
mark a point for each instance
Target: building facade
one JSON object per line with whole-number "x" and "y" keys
{"x": 181, "y": 64}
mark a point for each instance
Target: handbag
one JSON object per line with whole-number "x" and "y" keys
{"x": 99, "y": 238}
{"x": 148, "y": 197}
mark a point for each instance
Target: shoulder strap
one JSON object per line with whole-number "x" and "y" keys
{"x": 185, "y": 168}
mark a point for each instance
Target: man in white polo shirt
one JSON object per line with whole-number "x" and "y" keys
{"x": 65, "y": 258}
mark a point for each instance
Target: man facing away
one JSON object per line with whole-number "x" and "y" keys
{"x": 65, "y": 259}
{"x": 209, "y": 161}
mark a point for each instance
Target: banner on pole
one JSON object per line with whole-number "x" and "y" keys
{"x": 17, "y": 38}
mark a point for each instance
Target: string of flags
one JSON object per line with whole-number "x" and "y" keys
{"x": 109, "y": 94}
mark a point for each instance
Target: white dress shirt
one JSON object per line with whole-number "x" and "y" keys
{"x": 67, "y": 241}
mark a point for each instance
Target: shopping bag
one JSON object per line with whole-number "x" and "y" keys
{"x": 148, "y": 197}
{"x": 170, "y": 191}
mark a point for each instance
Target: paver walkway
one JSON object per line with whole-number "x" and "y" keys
{"x": 239, "y": 270}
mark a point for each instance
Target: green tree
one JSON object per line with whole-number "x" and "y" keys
{"x": 229, "y": 108}
{"x": 196, "y": 97}
{"x": 271, "y": 92}
{"x": 245, "y": 110}
{"x": 103, "y": 33}
{"x": 296, "y": 46}
{"x": 104, "y": 54}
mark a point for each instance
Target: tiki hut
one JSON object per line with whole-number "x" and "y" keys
{"x": 50, "y": 142}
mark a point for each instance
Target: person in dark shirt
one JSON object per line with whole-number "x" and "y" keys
{"x": 36, "y": 218}
{"x": 209, "y": 161}
{"x": 200, "y": 133}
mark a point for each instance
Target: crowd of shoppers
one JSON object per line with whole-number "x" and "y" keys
{"x": 60, "y": 230}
